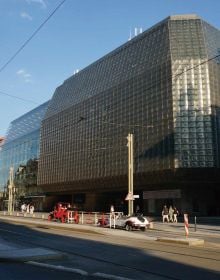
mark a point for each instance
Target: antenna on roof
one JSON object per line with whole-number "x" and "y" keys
{"x": 130, "y": 37}
{"x": 75, "y": 71}
{"x": 137, "y": 31}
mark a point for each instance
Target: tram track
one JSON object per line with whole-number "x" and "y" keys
{"x": 71, "y": 252}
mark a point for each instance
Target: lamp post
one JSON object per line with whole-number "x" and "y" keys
{"x": 130, "y": 196}
{"x": 11, "y": 190}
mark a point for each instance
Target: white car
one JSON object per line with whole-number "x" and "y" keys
{"x": 135, "y": 221}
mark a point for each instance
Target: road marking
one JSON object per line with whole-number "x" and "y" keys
{"x": 60, "y": 267}
{"x": 78, "y": 271}
{"x": 110, "y": 276}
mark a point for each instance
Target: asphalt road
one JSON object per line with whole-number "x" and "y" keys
{"x": 100, "y": 256}
{"x": 21, "y": 271}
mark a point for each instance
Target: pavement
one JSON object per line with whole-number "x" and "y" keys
{"x": 165, "y": 232}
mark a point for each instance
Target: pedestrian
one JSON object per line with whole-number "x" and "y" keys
{"x": 68, "y": 206}
{"x": 23, "y": 207}
{"x": 171, "y": 214}
{"x": 165, "y": 213}
{"x": 32, "y": 209}
{"x": 137, "y": 211}
{"x": 112, "y": 211}
{"x": 175, "y": 214}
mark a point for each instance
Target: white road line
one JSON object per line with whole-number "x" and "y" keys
{"x": 60, "y": 267}
{"x": 110, "y": 276}
{"x": 79, "y": 271}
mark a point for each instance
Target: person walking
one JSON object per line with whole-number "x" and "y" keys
{"x": 112, "y": 211}
{"x": 28, "y": 208}
{"x": 23, "y": 207}
{"x": 31, "y": 209}
{"x": 171, "y": 214}
{"x": 175, "y": 214}
{"x": 165, "y": 213}
{"x": 137, "y": 211}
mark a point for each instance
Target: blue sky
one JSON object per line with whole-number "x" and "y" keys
{"x": 79, "y": 33}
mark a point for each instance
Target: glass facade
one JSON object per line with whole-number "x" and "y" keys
{"x": 212, "y": 38}
{"x": 193, "y": 136}
{"x": 158, "y": 86}
{"x": 196, "y": 92}
{"x": 21, "y": 150}
{"x": 127, "y": 91}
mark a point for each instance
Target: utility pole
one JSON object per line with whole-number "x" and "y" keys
{"x": 10, "y": 190}
{"x": 130, "y": 174}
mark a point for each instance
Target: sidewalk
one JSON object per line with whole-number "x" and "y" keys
{"x": 165, "y": 232}
{"x": 199, "y": 228}
{"x": 197, "y": 234}
{"x": 202, "y": 229}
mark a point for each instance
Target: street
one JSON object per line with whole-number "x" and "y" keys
{"x": 96, "y": 255}
{"x": 19, "y": 271}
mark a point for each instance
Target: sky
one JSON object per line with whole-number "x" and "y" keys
{"x": 78, "y": 33}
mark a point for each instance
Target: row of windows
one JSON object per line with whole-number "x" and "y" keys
{"x": 193, "y": 113}
{"x": 187, "y": 164}
{"x": 186, "y": 130}
{"x": 191, "y": 100}
{"x": 192, "y": 140}
{"x": 198, "y": 146}
{"x": 179, "y": 151}
{"x": 195, "y": 158}
{"x": 201, "y": 117}
{"x": 193, "y": 135}
{"x": 192, "y": 124}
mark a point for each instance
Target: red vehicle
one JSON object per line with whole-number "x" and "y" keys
{"x": 61, "y": 212}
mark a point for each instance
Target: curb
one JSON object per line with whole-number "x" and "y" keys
{"x": 186, "y": 241}
{"x": 92, "y": 229}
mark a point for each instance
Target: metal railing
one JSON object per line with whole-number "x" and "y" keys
{"x": 79, "y": 217}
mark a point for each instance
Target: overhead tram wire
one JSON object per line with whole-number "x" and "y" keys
{"x": 31, "y": 37}
{"x": 82, "y": 118}
{"x": 20, "y": 98}
{"x": 113, "y": 147}
{"x": 147, "y": 89}
{"x": 169, "y": 79}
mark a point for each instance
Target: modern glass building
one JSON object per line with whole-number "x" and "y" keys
{"x": 21, "y": 151}
{"x": 164, "y": 87}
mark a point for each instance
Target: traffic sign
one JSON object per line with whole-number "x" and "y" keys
{"x": 129, "y": 196}
{"x": 136, "y": 196}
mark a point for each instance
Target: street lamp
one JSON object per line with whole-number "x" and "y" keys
{"x": 11, "y": 190}
{"x": 130, "y": 196}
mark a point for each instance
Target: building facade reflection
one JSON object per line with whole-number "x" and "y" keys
{"x": 21, "y": 151}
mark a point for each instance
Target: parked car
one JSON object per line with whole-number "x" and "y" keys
{"x": 135, "y": 221}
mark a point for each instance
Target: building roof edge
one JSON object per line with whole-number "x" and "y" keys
{"x": 184, "y": 17}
